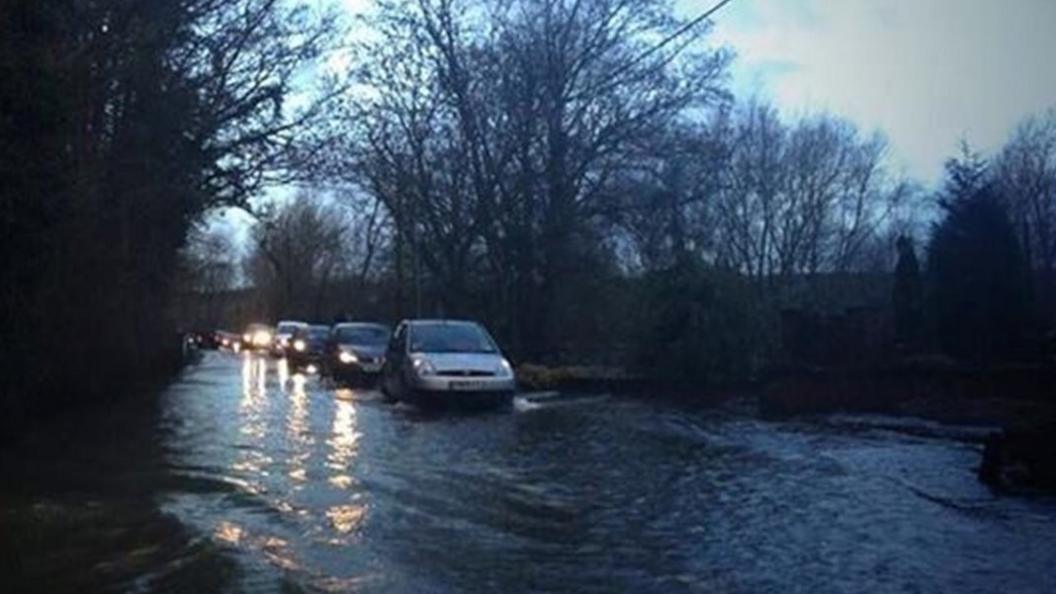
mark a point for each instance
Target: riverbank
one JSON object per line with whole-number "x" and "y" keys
{"x": 1012, "y": 396}
{"x": 68, "y": 395}
{"x": 1008, "y": 396}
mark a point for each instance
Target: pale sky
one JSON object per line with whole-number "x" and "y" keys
{"x": 926, "y": 73}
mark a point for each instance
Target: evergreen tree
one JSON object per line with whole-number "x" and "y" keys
{"x": 908, "y": 293}
{"x": 978, "y": 292}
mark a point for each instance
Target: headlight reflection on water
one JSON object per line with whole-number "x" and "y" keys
{"x": 344, "y": 444}
{"x": 288, "y": 458}
{"x": 254, "y": 377}
{"x": 298, "y": 434}
{"x": 282, "y": 367}
{"x": 276, "y": 550}
{"x": 250, "y": 468}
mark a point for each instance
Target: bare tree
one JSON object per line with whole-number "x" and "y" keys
{"x": 805, "y": 198}
{"x": 494, "y": 129}
{"x": 1026, "y": 168}
{"x": 299, "y": 249}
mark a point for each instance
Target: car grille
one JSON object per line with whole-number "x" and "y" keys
{"x": 465, "y": 373}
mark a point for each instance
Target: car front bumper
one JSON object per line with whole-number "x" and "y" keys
{"x": 354, "y": 368}
{"x": 455, "y": 385}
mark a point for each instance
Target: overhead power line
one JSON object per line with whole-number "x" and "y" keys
{"x": 680, "y": 32}
{"x": 673, "y": 36}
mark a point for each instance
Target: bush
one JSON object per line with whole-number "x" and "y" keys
{"x": 701, "y": 325}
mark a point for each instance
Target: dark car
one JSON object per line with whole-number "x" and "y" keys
{"x": 308, "y": 347}
{"x": 284, "y": 335}
{"x": 228, "y": 341}
{"x": 205, "y": 339}
{"x": 356, "y": 351}
{"x": 257, "y": 337}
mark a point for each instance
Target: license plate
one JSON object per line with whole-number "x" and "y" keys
{"x": 466, "y": 385}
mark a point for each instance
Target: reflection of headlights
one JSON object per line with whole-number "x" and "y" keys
{"x": 423, "y": 367}
{"x": 504, "y": 369}
{"x": 347, "y": 357}
{"x": 299, "y": 344}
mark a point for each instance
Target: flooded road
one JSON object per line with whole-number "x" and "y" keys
{"x": 244, "y": 478}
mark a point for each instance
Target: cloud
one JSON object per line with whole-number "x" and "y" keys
{"x": 927, "y": 73}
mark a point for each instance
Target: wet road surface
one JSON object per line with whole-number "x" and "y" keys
{"x": 242, "y": 477}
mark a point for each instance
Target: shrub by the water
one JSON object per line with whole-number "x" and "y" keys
{"x": 701, "y": 325}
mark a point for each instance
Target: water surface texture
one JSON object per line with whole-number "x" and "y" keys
{"x": 246, "y": 478}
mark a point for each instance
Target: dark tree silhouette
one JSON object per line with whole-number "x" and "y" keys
{"x": 977, "y": 281}
{"x": 908, "y": 294}
{"x": 120, "y": 124}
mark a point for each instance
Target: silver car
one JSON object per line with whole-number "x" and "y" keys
{"x": 446, "y": 363}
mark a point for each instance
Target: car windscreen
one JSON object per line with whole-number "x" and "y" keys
{"x": 319, "y": 332}
{"x": 287, "y": 327}
{"x": 363, "y": 335}
{"x": 450, "y": 338}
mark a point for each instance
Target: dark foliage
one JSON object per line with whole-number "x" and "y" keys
{"x": 700, "y": 325}
{"x": 977, "y": 279}
{"x": 120, "y": 123}
{"x": 908, "y": 295}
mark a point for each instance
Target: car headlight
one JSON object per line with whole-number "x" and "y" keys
{"x": 261, "y": 338}
{"x": 423, "y": 367}
{"x": 299, "y": 345}
{"x": 246, "y": 337}
{"x": 504, "y": 369}
{"x": 347, "y": 357}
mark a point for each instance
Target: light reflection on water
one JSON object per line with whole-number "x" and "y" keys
{"x": 609, "y": 496}
{"x": 343, "y": 440}
{"x": 297, "y": 434}
{"x": 306, "y": 487}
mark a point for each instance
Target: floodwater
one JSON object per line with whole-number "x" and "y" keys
{"x": 242, "y": 478}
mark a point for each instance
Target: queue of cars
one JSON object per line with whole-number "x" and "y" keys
{"x": 427, "y": 362}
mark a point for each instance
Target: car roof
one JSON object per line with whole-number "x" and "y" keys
{"x": 360, "y": 325}
{"x": 431, "y": 321}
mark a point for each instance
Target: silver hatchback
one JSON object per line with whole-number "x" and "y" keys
{"x": 446, "y": 363}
